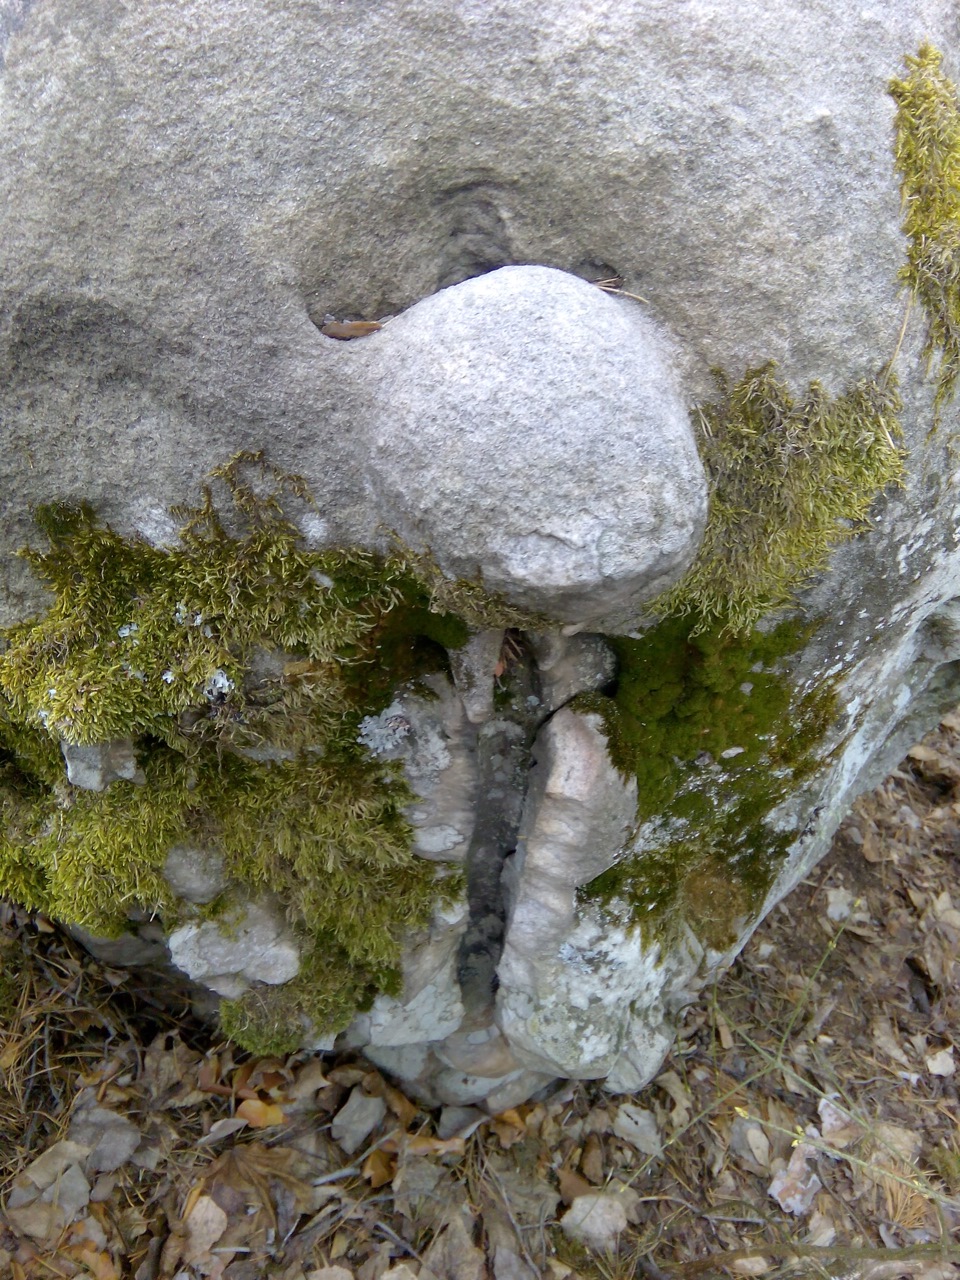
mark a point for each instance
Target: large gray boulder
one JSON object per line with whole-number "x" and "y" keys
{"x": 191, "y": 190}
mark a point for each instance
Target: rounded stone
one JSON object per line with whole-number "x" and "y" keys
{"x": 528, "y": 427}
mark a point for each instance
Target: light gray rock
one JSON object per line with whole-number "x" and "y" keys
{"x": 356, "y": 1120}
{"x": 433, "y": 739}
{"x": 95, "y": 766}
{"x": 145, "y": 944}
{"x": 560, "y": 1002}
{"x": 253, "y": 944}
{"x": 196, "y": 875}
{"x": 596, "y": 1221}
{"x": 430, "y": 1007}
{"x": 571, "y": 664}
{"x": 473, "y": 667}
{"x": 176, "y": 330}
{"x": 610, "y": 513}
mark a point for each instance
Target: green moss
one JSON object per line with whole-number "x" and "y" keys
{"x": 712, "y": 727}
{"x": 242, "y": 665}
{"x": 927, "y": 154}
{"x": 788, "y": 481}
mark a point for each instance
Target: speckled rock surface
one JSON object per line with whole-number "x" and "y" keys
{"x": 252, "y": 944}
{"x": 189, "y": 188}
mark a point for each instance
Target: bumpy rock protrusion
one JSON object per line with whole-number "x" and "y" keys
{"x": 577, "y": 817}
{"x": 528, "y": 425}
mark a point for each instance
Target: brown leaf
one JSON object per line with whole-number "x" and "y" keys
{"x": 379, "y": 1168}
{"x": 204, "y": 1226}
{"x": 345, "y": 329}
{"x": 348, "y": 1076}
{"x": 591, "y": 1164}
{"x": 260, "y": 1115}
{"x": 420, "y": 1144}
{"x": 572, "y": 1185}
{"x": 508, "y": 1127}
{"x": 401, "y": 1106}
{"x": 170, "y": 1072}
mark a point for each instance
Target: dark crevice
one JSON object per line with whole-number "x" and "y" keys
{"x": 504, "y": 749}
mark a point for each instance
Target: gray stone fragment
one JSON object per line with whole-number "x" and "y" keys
{"x": 435, "y": 743}
{"x": 356, "y": 1120}
{"x": 95, "y": 766}
{"x": 459, "y": 1121}
{"x": 253, "y": 944}
{"x": 111, "y": 1137}
{"x": 473, "y": 667}
{"x": 638, "y": 1127}
{"x": 194, "y": 874}
{"x": 596, "y": 1221}
{"x": 147, "y": 945}
{"x": 429, "y": 1007}
{"x": 569, "y": 665}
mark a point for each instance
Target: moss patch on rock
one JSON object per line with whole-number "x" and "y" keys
{"x": 242, "y": 664}
{"x": 789, "y": 480}
{"x": 927, "y": 154}
{"x": 711, "y": 725}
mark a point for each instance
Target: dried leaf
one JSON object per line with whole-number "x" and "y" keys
{"x": 222, "y": 1129}
{"x": 204, "y": 1226}
{"x": 379, "y": 1168}
{"x": 794, "y": 1188}
{"x": 260, "y": 1115}
{"x": 836, "y": 1128}
{"x": 170, "y": 1072}
{"x": 572, "y": 1185}
{"x": 452, "y": 1255}
{"x": 638, "y": 1127}
{"x": 679, "y": 1094}
{"x": 723, "y": 1030}
{"x": 886, "y": 1041}
{"x": 421, "y": 1144}
{"x": 509, "y": 1128}
{"x": 398, "y": 1102}
{"x": 591, "y": 1163}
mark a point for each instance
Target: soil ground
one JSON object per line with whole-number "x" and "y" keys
{"x": 806, "y": 1123}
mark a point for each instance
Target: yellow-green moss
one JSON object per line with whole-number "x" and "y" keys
{"x": 235, "y": 643}
{"x": 710, "y": 724}
{"x": 788, "y": 481}
{"x": 927, "y": 154}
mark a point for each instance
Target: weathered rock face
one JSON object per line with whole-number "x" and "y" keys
{"x": 190, "y": 189}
